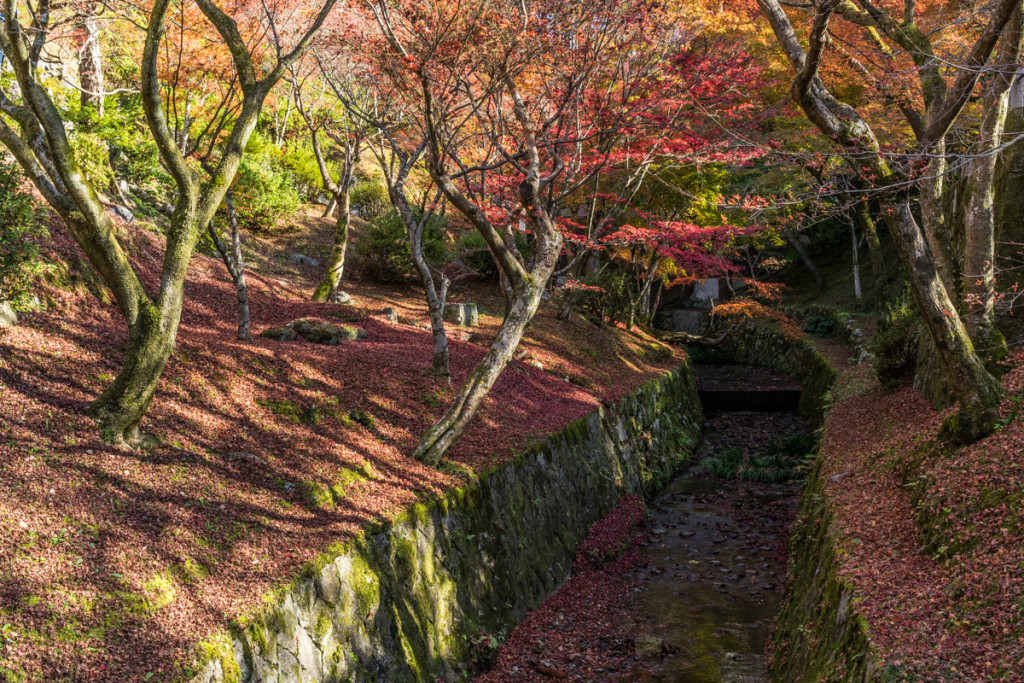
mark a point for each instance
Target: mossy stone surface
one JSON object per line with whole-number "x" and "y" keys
{"x": 405, "y": 600}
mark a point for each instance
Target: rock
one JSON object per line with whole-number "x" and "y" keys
{"x": 340, "y": 297}
{"x": 390, "y": 314}
{"x": 649, "y": 647}
{"x": 319, "y": 331}
{"x": 303, "y": 260}
{"x": 464, "y": 315}
{"x": 463, "y": 336}
{"x": 279, "y": 333}
{"x": 8, "y": 317}
{"x": 123, "y": 213}
{"x": 535, "y": 363}
{"x": 247, "y": 457}
{"x": 352, "y": 333}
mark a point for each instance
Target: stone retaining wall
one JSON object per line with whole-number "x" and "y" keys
{"x": 415, "y": 599}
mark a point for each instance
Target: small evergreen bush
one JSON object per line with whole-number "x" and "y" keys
{"x": 894, "y": 344}
{"x": 21, "y": 233}
{"x": 370, "y": 199}
{"x": 384, "y": 249}
{"x": 265, "y": 190}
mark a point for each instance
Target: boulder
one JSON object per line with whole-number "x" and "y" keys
{"x": 8, "y": 317}
{"x": 279, "y": 333}
{"x": 350, "y": 333}
{"x": 464, "y": 315}
{"x": 340, "y": 297}
{"x": 390, "y": 314}
{"x": 303, "y": 260}
{"x": 123, "y": 213}
{"x": 317, "y": 331}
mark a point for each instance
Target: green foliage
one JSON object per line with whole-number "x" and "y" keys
{"x": 820, "y": 325}
{"x": 362, "y": 417}
{"x": 779, "y": 460}
{"x": 370, "y": 198}
{"x": 21, "y": 232}
{"x": 619, "y": 288}
{"x": 472, "y": 249}
{"x": 384, "y": 248}
{"x": 116, "y": 144}
{"x": 894, "y": 344}
{"x": 265, "y": 189}
{"x": 301, "y": 164}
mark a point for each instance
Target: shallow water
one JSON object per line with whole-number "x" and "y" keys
{"x": 713, "y": 584}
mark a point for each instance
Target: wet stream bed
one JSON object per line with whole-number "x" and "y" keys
{"x": 694, "y": 597}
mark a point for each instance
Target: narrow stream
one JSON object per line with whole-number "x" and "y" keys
{"x": 695, "y": 598}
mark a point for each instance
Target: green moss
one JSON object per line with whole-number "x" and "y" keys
{"x": 323, "y": 626}
{"x": 316, "y": 494}
{"x": 159, "y": 591}
{"x": 218, "y": 648}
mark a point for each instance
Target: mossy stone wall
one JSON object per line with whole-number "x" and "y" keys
{"x": 819, "y": 636}
{"x": 414, "y": 599}
{"x": 764, "y": 344}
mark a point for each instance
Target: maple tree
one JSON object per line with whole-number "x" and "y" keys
{"x": 39, "y": 141}
{"x": 922, "y": 247}
{"x": 522, "y": 115}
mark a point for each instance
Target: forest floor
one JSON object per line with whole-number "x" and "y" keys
{"x": 931, "y": 536}
{"x": 115, "y": 563}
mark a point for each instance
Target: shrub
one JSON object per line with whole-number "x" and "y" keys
{"x": 20, "y": 236}
{"x": 894, "y": 344}
{"x": 370, "y": 199}
{"x": 384, "y": 247}
{"x": 301, "y": 164}
{"x": 264, "y": 189}
{"x": 472, "y": 249}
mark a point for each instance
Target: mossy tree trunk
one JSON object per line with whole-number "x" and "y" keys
{"x": 978, "y": 392}
{"x": 979, "y": 218}
{"x": 862, "y": 213}
{"x": 348, "y": 135}
{"x": 235, "y": 263}
{"x": 45, "y": 152}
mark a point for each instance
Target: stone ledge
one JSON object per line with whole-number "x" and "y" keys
{"x": 408, "y": 600}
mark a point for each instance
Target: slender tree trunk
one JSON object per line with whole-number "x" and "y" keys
{"x": 804, "y": 258}
{"x": 524, "y": 306}
{"x": 436, "y": 296}
{"x": 336, "y": 269}
{"x": 235, "y": 264}
{"x": 332, "y": 206}
{"x": 90, "y": 60}
{"x": 856, "y": 261}
{"x": 862, "y": 213}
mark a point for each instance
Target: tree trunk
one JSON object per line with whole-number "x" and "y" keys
{"x": 332, "y": 206}
{"x": 978, "y": 392}
{"x": 937, "y": 231}
{"x": 90, "y": 60}
{"x": 862, "y": 213}
{"x": 979, "y": 218}
{"x": 235, "y": 265}
{"x": 453, "y": 424}
{"x": 436, "y": 297}
{"x": 856, "y": 261}
{"x": 804, "y": 258}
{"x": 336, "y": 269}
